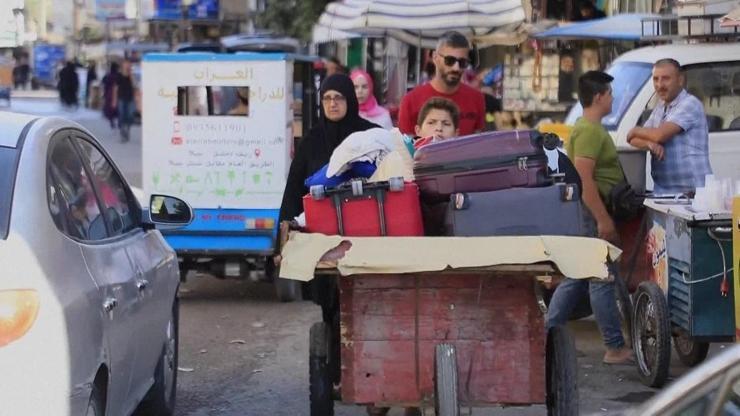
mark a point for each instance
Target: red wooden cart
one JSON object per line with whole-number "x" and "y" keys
{"x": 472, "y": 337}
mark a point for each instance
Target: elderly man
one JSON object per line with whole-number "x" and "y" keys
{"x": 450, "y": 60}
{"x": 676, "y": 134}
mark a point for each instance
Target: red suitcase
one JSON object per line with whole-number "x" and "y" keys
{"x": 365, "y": 209}
{"x": 481, "y": 162}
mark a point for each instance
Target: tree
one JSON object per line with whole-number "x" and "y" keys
{"x": 293, "y": 18}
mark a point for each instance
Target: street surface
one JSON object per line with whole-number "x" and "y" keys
{"x": 244, "y": 353}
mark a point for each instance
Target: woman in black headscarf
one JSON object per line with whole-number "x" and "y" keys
{"x": 339, "y": 117}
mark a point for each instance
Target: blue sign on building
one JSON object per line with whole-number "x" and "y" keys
{"x": 172, "y": 9}
{"x": 45, "y": 61}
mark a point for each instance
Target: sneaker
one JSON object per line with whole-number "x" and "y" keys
{"x": 619, "y": 356}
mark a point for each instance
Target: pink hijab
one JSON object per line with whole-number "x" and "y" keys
{"x": 370, "y": 107}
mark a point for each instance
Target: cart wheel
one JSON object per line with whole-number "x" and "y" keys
{"x": 624, "y": 305}
{"x": 395, "y": 184}
{"x": 561, "y": 372}
{"x": 651, "y": 335}
{"x": 317, "y": 192}
{"x": 690, "y": 352}
{"x": 445, "y": 381}
{"x": 322, "y": 403}
{"x": 288, "y": 290}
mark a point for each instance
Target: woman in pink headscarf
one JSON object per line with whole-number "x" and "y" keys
{"x": 369, "y": 108}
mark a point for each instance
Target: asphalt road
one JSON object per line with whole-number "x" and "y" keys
{"x": 244, "y": 353}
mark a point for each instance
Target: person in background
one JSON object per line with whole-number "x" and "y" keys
{"x": 588, "y": 11}
{"x": 676, "y": 134}
{"x": 68, "y": 85}
{"x": 110, "y": 106}
{"x": 369, "y": 108}
{"x": 439, "y": 119}
{"x": 450, "y": 60}
{"x": 92, "y": 76}
{"x": 567, "y": 79}
{"x": 594, "y": 154}
{"x": 124, "y": 96}
{"x": 242, "y": 107}
{"x": 333, "y": 66}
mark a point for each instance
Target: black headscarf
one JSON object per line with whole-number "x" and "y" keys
{"x": 315, "y": 149}
{"x": 336, "y": 131}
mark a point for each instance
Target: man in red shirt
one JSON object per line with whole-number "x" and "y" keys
{"x": 450, "y": 60}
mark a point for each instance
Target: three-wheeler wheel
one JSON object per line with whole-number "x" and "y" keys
{"x": 690, "y": 352}
{"x": 445, "y": 381}
{"x": 651, "y": 334}
{"x": 561, "y": 372}
{"x": 319, "y": 374}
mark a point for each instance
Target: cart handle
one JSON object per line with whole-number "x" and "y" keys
{"x": 714, "y": 231}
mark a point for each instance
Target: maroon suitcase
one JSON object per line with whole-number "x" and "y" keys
{"x": 480, "y": 163}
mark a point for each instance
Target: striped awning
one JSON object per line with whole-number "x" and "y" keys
{"x": 420, "y": 22}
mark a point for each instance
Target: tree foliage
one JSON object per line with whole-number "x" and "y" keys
{"x": 293, "y": 18}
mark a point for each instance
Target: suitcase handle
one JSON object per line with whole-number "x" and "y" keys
{"x": 358, "y": 189}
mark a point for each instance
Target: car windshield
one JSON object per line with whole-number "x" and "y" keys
{"x": 629, "y": 78}
{"x": 7, "y": 176}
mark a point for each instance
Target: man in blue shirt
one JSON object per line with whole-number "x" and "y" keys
{"x": 676, "y": 134}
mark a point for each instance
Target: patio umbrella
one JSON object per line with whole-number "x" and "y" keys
{"x": 421, "y": 22}
{"x": 731, "y": 19}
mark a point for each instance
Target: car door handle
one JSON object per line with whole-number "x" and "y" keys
{"x": 109, "y": 304}
{"x": 142, "y": 284}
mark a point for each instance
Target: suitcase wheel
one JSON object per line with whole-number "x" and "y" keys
{"x": 317, "y": 192}
{"x": 395, "y": 184}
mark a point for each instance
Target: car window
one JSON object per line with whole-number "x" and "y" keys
{"x": 71, "y": 198}
{"x": 7, "y": 176}
{"x": 629, "y": 78}
{"x": 717, "y": 85}
{"x": 121, "y": 210}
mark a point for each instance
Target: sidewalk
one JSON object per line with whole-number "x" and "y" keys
{"x": 45, "y": 94}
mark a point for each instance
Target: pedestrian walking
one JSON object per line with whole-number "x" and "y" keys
{"x": 450, "y": 60}
{"x": 124, "y": 93}
{"x": 592, "y": 150}
{"x": 68, "y": 85}
{"x": 370, "y": 110}
{"x": 110, "y": 104}
{"x": 92, "y": 76}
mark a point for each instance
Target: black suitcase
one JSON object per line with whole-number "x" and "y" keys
{"x": 550, "y": 210}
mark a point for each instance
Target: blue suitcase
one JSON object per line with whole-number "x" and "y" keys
{"x": 550, "y": 210}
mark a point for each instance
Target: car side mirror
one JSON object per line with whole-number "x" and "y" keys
{"x": 168, "y": 210}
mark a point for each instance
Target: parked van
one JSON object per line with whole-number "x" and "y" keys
{"x": 712, "y": 72}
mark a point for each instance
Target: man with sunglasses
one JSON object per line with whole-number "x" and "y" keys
{"x": 450, "y": 60}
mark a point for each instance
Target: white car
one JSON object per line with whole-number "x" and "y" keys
{"x": 713, "y": 388}
{"x": 88, "y": 289}
{"x": 712, "y": 73}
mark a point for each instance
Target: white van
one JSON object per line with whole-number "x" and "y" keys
{"x": 712, "y": 72}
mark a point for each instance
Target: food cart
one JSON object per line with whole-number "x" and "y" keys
{"x": 688, "y": 290}
{"x": 442, "y": 322}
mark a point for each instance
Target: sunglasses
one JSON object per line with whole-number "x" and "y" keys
{"x": 450, "y": 61}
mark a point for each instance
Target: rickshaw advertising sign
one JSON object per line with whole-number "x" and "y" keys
{"x": 216, "y": 133}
